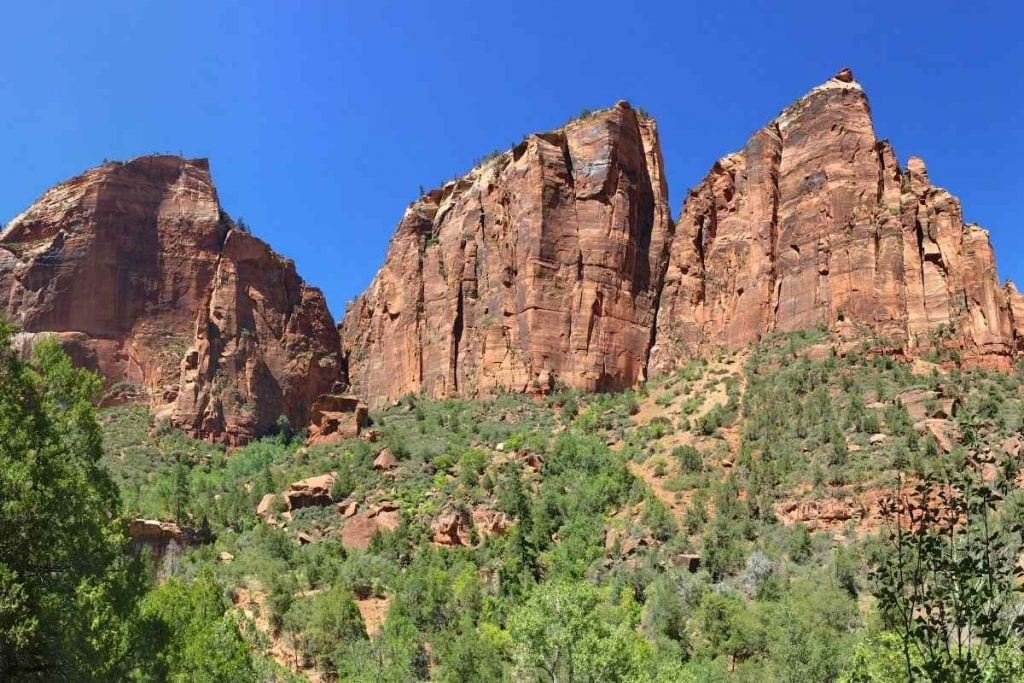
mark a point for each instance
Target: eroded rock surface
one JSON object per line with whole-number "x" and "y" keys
{"x": 541, "y": 266}
{"x": 140, "y": 273}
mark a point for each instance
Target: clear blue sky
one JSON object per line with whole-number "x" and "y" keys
{"x": 321, "y": 120}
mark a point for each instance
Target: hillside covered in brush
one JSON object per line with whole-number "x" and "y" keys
{"x": 720, "y": 523}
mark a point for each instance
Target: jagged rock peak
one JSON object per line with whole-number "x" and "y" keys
{"x": 814, "y": 223}
{"x": 137, "y": 269}
{"x": 541, "y": 265}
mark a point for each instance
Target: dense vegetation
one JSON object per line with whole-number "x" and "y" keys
{"x": 677, "y": 533}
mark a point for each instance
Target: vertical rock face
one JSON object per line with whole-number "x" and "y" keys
{"x": 143, "y": 277}
{"x": 814, "y": 223}
{"x": 541, "y": 265}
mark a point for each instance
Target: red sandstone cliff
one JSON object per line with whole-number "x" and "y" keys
{"x": 555, "y": 262}
{"x": 541, "y": 265}
{"x": 815, "y": 223}
{"x": 558, "y": 261}
{"x": 141, "y": 274}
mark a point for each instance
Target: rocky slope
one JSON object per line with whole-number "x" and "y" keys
{"x": 813, "y": 223}
{"x": 558, "y": 261}
{"x": 142, "y": 276}
{"x": 542, "y": 265}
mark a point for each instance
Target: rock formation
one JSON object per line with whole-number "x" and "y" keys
{"x": 542, "y": 265}
{"x": 143, "y": 277}
{"x": 162, "y": 537}
{"x": 558, "y": 261}
{"x": 814, "y": 223}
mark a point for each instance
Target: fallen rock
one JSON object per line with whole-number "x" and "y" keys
{"x": 264, "y": 510}
{"x": 489, "y": 523}
{"x": 452, "y": 528}
{"x": 361, "y": 527}
{"x": 691, "y": 562}
{"x": 925, "y": 403}
{"x": 309, "y": 492}
{"x": 943, "y": 431}
{"x": 385, "y": 460}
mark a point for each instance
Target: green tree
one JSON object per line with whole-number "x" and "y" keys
{"x": 182, "y": 491}
{"x": 727, "y": 628}
{"x": 327, "y": 620}
{"x": 194, "y": 636}
{"x": 561, "y": 634}
{"x": 67, "y": 591}
{"x": 473, "y": 654}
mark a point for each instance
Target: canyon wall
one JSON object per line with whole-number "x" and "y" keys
{"x": 554, "y": 263}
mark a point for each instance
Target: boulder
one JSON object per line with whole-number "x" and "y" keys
{"x": 264, "y": 510}
{"x": 452, "y": 528}
{"x": 489, "y": 522}
{"x": 309, "y": 492}
{"x": 943, "y": 431}
{"x": 362, "y": 526}
{"x": 690, "y": 562}
{"x": 334, "y": 417}
{"x": 925, "y": 403}
{"x": 385, "y": 460}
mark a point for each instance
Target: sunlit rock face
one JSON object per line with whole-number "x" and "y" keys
{"x": 143, "y": 277}
{"x": 541, "y": 266}
{"x": 814, "y": 223}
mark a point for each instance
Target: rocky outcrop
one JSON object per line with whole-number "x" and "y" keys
{"x": 336, "y": 416}
{"x": 541, "y": 266}
{"x": 814, "y": 223}
{"x": 161, "y": 537}
{"x": 362, "y": 526}
{"x": 142, "y": 276}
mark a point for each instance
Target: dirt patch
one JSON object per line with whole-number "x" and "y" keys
{"x": 252, "y": 604}
{"x": 374, "y": 611}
